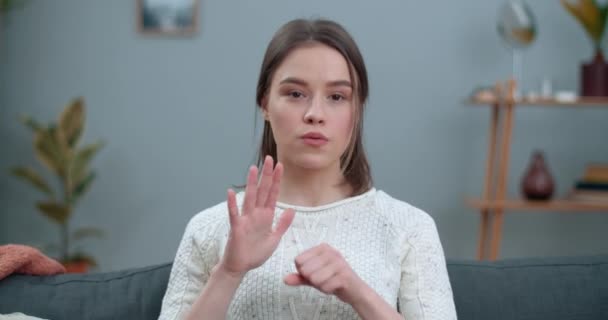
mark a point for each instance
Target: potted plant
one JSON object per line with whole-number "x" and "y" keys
{"x": 592, "y": 17}
{"x": 6, "y": 5}
{"x": 56, "y": 148}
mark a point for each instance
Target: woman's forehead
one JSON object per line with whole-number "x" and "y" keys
{"x": 316, "y": 63}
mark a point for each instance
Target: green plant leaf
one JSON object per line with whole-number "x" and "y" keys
{"x": 57, "y": 212}
{"x": 31, "y": 176}
{"x": 87, "y": 232}
{"x": 603, "y": 19}
{"x": 49, "y": 151}
{"x": 591, "y": 11}
{"x": 65, "y": 152}
{"x": 82, "y": 187}
{"x": 71, "y": 122}
{"x": 29, "y": 122}
{"x": 6, "y": 5}
{"x": 81, "y": 162}
{"x": 588, "y": 14}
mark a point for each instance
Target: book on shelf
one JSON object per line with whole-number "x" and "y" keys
{"x": 596, "y": 172}
{"x": 588, "y": 195}
{"x": 591, "y": 186}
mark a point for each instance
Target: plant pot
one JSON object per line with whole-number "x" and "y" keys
{"x": 77, "y": 267}
{"x": 594, "y": 77}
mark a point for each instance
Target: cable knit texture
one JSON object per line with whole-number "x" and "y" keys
{"x": 393, "y": 246}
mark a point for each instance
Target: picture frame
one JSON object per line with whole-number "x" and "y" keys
{"x": 167, "y": 17}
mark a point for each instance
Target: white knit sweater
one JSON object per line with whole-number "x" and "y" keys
{"x": 393, "y": 246}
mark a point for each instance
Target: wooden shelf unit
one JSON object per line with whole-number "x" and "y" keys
{"x": 553, "y": 205}
{"x": 582, "y": 102}
{"x": 493, "y": 203}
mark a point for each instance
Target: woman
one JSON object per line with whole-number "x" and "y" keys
{"x": 312, "y": 238}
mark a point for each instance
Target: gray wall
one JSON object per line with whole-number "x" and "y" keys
{"x": 178, "y": 114}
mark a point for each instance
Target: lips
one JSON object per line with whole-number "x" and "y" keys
{"x": 316, "y": 139}
{"x": 314, "y": 135}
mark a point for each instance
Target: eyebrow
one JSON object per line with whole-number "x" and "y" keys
{"x": 336, "y": 83}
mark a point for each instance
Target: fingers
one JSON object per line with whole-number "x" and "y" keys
{"x": 273, "y": 195}
{"x": 265, "y": 182}
{"x": 250, "y": 190}
{"x": 294, "y": 279}
{"x": 321, "y": 267}
{"x": 284, "y": 222}
{"x": 233, "y": 210}
{"x": 266, "y": 192}
{"x": 322, "y": 274}
{"x": 312, "y": 264}
{"x": 310, "y": 253}
{"x": 330, "y": 286}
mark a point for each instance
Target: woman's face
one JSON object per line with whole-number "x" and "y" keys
{"x": 310, "y": 107}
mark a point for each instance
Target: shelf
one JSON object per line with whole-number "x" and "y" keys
{"x": 583, "y": 102}
{"x": 562, "y": 205}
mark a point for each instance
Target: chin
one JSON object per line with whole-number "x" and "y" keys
{"x": 312, "y": 161}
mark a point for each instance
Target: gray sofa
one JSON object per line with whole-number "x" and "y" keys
{"x": 573, "y": 288}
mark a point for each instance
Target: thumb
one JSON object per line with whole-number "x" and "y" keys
{"x": 284, "y": 222}
{"x": 294, "y": 279}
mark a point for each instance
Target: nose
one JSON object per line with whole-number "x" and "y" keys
{"x": 315, "y": 113}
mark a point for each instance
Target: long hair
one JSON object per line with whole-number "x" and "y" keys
{"x": 299, "y": 32}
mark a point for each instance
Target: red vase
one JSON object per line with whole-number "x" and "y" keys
{"x": 537, "y": 183}
{"x": 594, "y": 77}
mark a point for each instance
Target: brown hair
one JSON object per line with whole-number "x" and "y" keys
{"x": 299, "y": 32}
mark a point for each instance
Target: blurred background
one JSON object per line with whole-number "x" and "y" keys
{"x": 176, "y": 113}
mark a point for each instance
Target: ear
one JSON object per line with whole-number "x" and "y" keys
{"x": 264, "y": 107}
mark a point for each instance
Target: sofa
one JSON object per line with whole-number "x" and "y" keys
{"x": 573, "y": 288}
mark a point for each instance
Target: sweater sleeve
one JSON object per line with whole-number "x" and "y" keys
{"x": 425, "y": 292}
{"x": 197, "y": 254}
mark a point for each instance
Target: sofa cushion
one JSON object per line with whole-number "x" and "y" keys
{"x": 573, "y": 288}
{"x": 130, "y": 294}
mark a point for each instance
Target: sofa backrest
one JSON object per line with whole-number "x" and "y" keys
{"x": 130, "y": 294}
{"x": 573, "y": 288}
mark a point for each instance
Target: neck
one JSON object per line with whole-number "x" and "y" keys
{"x": 312, "y": 187}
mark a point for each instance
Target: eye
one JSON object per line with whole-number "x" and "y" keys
{"x": 295, "y": 94}
{"x": 336, "y": 97}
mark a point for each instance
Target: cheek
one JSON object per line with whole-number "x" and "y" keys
{"x": 282, "y": 123}
{"x": 282, "y": 119}
{"x": 345, "y": 126}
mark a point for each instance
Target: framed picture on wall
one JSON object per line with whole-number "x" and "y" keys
{"x": 167, "y": 17}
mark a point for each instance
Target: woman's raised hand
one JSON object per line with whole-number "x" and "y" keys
{"x": 252, "y": 239}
